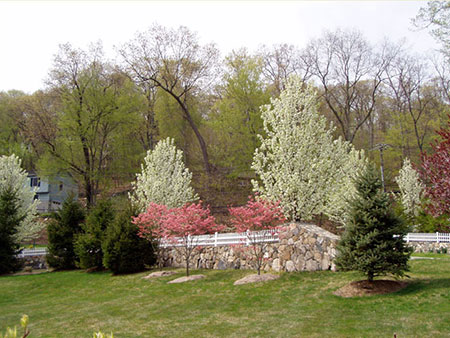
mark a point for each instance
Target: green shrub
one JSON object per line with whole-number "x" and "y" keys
{"x": 61, "y": 233}
{"x": 427, "y": 223}
{"x": 9, "y": 222}
{"x": 88, "y": 245}
{"x": 123, "y": 250}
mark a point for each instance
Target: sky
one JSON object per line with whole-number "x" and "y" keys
{"x": 32, "y": 30}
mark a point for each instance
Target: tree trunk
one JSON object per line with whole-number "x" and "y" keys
{"x": 187, "y": 266}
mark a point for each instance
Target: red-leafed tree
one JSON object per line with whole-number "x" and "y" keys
{"x": 177, "y": 226}
{"x": 259, "y": 219}
{"x": 436, "y": 175}
{"x": 150, "y": 228}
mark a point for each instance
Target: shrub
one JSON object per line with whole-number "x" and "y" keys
{"x": 88, "y": 245}
{"x": 123, "y": 250}
{"x": 61, "y": 233}
{"x": 373, "y": 239}
{"x": 9, "y": 223}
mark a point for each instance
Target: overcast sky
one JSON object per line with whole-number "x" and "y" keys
{"x": 31, "y": 31}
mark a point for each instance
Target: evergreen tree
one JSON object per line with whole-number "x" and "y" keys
{"x": 373, "y": 239}
{"x": 123, "y": 250}
{"x": 61, "y": 233}
{"x": 10, "y": 219}
{"x": 88, "y": 245}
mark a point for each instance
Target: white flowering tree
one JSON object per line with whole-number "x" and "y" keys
{"x": 411, "y": 188}
{"x": 13, "y": 177}
{"x": 299, "y": 163}
{"x": 164, "y": 178}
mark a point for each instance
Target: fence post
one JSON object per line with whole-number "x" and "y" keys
{"x": 407, "y": 237}
{"x": 215, "y": 239}
{"x": 437, "y": 237}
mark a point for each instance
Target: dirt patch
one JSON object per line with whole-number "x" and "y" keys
{"x": 186, "y": 279}
{"x": 256, "y": 278}
{"x": 365, "y": 288}
{"x": 160, "y": 274}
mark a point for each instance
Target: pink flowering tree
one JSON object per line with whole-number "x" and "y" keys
{"x": 150, "y": 228}
{"x": 182, "y": 225}
{"x": 436, "y": 175}
{"x": 259, "y": 220}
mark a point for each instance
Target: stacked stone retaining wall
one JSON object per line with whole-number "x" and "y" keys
{"x": 302, "y": 247}
{"x": 425, "y": 247}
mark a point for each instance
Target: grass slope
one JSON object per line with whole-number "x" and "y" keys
{"x": 75, "y": 304}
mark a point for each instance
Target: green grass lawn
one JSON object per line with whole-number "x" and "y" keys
{"x": 75, "y": 304}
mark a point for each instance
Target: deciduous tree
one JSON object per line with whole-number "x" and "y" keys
{"x": 259, "y": 221}
{"x": 163, "y": 179}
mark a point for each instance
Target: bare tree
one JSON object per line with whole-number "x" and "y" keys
{"x": 174, "y": 61}
{"x": 414, "y": 94}
{"x": 279, "y": 62}
{"x": 350, "y": 74}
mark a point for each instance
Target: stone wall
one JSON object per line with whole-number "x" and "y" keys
{"x": 34, "y": 262}
{"x": 425, "y": 247}
{"x": 302, "y": 247}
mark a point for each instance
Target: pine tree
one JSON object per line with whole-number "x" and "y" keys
{"x": 61, "y": 233}
{"x": 373, "y": 239}
{"x": 10, "y": 219}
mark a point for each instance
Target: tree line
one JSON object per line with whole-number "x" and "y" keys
{"x": 96, "y": 118}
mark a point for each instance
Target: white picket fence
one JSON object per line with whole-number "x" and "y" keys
{"x": 232, "y": 238}
{"x": 32, "y": 252}
{"x": 437, "y": 237}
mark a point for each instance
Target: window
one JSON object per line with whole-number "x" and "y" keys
{"x": 35, "y": 182}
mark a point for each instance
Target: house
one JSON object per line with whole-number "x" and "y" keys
{"x": 51, "y": 193}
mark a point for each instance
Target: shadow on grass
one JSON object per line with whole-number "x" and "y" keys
{"x": 420, "y": 285}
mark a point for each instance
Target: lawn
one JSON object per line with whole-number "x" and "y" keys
{"x": 75, "y": 304}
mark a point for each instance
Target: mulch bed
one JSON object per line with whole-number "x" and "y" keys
{"x": 365, "y": 288}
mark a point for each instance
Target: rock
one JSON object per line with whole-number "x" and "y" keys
{"x": 256, "y": 278}
{"x": 290, "y": 266}
{"x": 159, "y": 274}
{"x": 221, "y": 265}
{"x": 312, "y": 265}
{"x": 276, "y": 264}
{"x": 186, "y": 279}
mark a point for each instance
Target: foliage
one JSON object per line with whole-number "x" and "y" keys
{"x": 151, "y": 228}
{"x": 88, "y": 244}
{"x": 124, "y": 251}
{"x": 88, "y": 130}
{"x": 436, "y": 15}
{"x": 12, "y": 333}
{"x": 299, "y": 163}
{"x": 13, "y": 177}
{"x": 163, "y": 178}
{"x": 368, "y": 244}
{"x": 411, "y": 188}
{"x": 259, "y": 220}
{"x": 435, "y": 173}
{"x": 61, "y": 234}
{"x": 10, "y": 219}
{"x": 236, "y": 117}
{"x": 425, "y": 222}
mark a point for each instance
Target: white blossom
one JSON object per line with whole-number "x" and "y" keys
{"x": 411, "y": 188}
{"x": 299, "y": 163}
{"x": 13, "y": 177}
{"x": 164, "y": 179}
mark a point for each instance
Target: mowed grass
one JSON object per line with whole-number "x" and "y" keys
{"x": 75, "y": 304}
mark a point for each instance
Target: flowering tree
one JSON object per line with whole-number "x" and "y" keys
{"x": 411, "y": 188}
{"x": 299, "y": 163}
{"x": 14, "y": 178}
{"x": 436, "y": 172}
{"x": 178, "y": 226}
{"x": 150, "y": 228}
{"x": 164, "y": 178}
{"x": 259, "y": 220}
